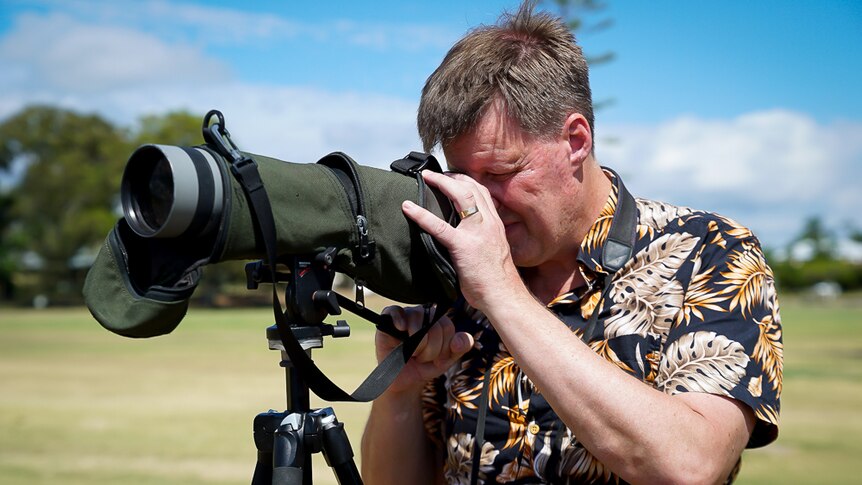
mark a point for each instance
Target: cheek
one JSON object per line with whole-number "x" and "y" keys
{"x": 522, "y": 199}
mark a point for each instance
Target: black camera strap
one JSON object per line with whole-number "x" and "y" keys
{"x": 618, "y": 249}
{"x": 245, "y": 170}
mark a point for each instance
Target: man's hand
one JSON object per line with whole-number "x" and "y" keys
{"x": 438, "y": 351}
{"x": 478, "y": 245}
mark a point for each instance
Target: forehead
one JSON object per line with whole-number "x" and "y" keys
{"x": 496, "y": 139}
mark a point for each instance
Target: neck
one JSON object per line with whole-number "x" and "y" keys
{"x": 547, "y": 282}
{"x": 561, "y": 274}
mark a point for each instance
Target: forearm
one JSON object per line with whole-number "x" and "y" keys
{"x": 638, "y": 432}
{"x": 395, "y": 448}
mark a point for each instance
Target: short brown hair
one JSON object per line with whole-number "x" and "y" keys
{"x": 528, "y": 60}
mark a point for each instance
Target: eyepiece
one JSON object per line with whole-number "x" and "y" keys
{"x": 169, "y": 191}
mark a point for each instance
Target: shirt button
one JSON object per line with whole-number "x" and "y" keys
{"x": 534, "y": 428}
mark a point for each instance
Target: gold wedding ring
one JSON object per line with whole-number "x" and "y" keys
{"x": 468, "y": 212}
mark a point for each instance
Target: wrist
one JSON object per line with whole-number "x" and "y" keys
{"x": 500, "y": 291}
{"x": 509, "y": 296}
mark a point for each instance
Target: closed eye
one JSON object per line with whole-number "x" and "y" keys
{"x": 501, "y": 175}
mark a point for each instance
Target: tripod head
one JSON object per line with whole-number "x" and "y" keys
{"x": 309, "y": 299}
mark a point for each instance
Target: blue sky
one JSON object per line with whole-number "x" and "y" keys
{"x": 751, "y": 109}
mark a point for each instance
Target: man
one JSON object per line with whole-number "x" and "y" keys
{"x": 685, "y": 369}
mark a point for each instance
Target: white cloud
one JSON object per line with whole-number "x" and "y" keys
{"x": 301, "y": 124}
{"x": 58, "y": 54}
{"x": 123, "y": 73}
{"x": 212, "y": 25}
{"x": 769, "y": 169}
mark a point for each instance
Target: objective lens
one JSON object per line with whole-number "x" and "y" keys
{"x": 154, "y": 193}
{"x": 169, "y": 191}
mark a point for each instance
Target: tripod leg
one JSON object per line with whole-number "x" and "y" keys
{"x": 264, "y": 427}
{"x": 289, "y": 454}
{"x": 336, "y": 447}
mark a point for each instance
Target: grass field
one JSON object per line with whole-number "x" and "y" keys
{"x": 81, "y": 405}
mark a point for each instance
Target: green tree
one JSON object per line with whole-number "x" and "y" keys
{"x": 65, "y": 202}
{"x": 821, "y": 239}
{"x": 8, "y": 248}
{"x": 174, "y": 128}
{"x": 587, "y": 17}
{"x": 579, "y": 15}
{"x": 57, "y": 214}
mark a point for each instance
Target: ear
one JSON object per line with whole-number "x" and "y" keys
{"x": 576, "y": 131}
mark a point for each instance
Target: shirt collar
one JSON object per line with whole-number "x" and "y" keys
{"x": 590, "y": 254}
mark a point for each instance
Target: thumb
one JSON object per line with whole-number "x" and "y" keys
{"x": 460, "y": 344}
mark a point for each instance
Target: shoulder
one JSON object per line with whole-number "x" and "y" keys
{"x": 708, "y": 230}
{"x": 656, "y": 216}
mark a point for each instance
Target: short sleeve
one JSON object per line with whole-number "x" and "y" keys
{"x": 726, "y": 339}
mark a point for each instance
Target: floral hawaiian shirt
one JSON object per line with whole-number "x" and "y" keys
{"x": 693, "y": 310}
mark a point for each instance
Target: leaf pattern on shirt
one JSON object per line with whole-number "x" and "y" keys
{"x": 543, "y": 457}
{"x": 588, "y": 305}
{"x": 702, "y": 362}
{"x": 755, "y": 386}
{"x": 735, "y": 229}
{"x": 598, "y": 233}
{"x": 746, "y": 279}
{"x": 602, "y": 348}
{"x": 769, "y": 350}
{"x": 767, "y": 412}
{"x": 461, "y": 393}
{"x": 701, "y": 295}
{"x": 717, "y": 237}
{"x": 459, "y": 459}
{"x": 517, "y": 425}
{"x": 576, "y": 461}
{"x": 519, "y": 467}
{"x": 655, "y": 216}
{"x": 646, "y": 297}
{"x": 516, "y": 469}
{"x": 504, "y": 372}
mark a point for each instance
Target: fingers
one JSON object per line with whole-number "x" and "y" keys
{"x": 462, "y": 190}
{"x": 442, "y": 345}
{"x": 397, "y": 314}
{"x": 471, "y": 200}
{"x": 430, "y": 223}
{"x": 457, "y": 344}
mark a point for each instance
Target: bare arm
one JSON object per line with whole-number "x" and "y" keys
{"x": 395, "y": 448}
{"x": 689, "y": 438}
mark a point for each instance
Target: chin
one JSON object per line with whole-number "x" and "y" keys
{"x": 524, "y": 260}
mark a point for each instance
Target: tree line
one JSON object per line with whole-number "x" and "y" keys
{"x": 60, "y": 173}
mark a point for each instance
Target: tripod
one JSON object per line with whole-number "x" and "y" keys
{"x": 285, "y": 441}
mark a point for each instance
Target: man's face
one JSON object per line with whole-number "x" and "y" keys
{"x": 532, "y": 181}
